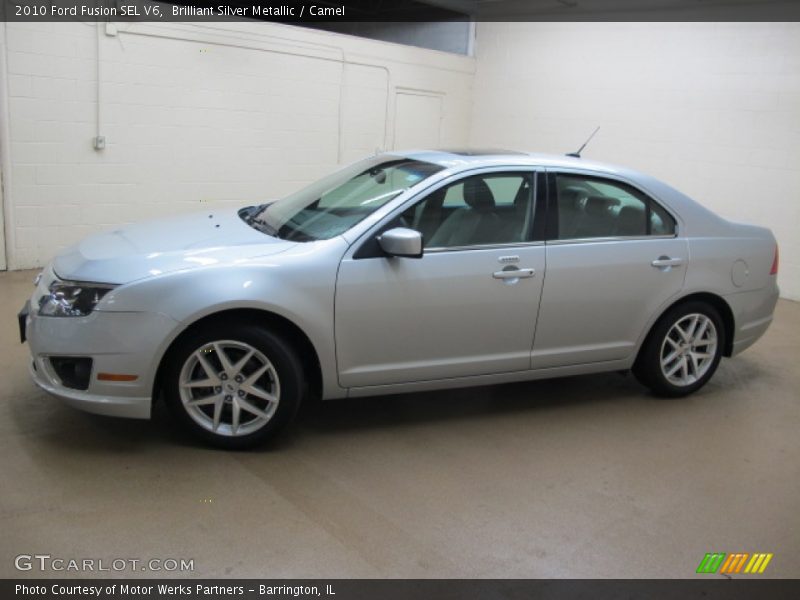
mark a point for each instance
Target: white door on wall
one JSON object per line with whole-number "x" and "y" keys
{"x": 417, "y": 120}
{"x": 364, "y": 113}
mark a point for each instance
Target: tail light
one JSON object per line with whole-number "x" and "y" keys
{"x": 774, "y": 269}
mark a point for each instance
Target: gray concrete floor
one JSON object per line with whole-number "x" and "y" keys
{"x": 577, "y": 477}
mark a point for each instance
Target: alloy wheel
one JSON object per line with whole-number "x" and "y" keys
{"x": 688, "y": 349}
{"x": 229, "y": 388}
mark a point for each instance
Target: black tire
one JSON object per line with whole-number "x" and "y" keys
{"x": 286, "y": 370}
{"x": 648, "y": 368}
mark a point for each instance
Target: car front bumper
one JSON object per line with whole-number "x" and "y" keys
{"x": 126, "y": 343}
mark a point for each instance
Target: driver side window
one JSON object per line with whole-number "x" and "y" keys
{"x": 485, "y": 209}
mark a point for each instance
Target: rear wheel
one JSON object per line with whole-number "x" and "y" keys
{"x": 233, "y": 385}
{"x": 682, "y": 351}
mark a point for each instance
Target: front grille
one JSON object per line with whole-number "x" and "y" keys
{"x": 73, "y": 371}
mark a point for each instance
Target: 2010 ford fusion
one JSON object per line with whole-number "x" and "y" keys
{"x": 402, "y": 272}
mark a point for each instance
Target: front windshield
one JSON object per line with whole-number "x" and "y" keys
{"x": 335, "y": 203}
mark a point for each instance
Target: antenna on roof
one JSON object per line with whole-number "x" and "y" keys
{"x": 578, "y": 153}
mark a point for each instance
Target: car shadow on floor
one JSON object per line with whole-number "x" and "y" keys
{"x": 468, "y": 403}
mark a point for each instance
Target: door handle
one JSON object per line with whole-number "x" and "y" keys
{"x": 514, "y": 273}
{"x": 666, "y": 261}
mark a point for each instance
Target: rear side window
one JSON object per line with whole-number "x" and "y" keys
{"x": 593, "y": 207}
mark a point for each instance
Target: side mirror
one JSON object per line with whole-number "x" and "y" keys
{"x": 401, "y": 241}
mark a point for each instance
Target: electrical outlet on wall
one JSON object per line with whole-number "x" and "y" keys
{"x": 99, "y": 142}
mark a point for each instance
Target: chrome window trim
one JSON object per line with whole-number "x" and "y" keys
{"x": 612, "y": 238}
{"x": 443, "y": 249}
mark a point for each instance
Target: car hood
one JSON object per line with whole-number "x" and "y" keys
{"x": 164, "y": 245}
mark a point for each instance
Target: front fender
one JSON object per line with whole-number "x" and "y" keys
{"x": 298, "y": 285}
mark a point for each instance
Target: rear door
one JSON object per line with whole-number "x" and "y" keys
{"x": 614, "y": 258}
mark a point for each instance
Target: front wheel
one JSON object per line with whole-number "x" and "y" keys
{"x": 682, "y": 351}
{"x": 232, "y": 384}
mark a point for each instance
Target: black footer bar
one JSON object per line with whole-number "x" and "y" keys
{"x": 391, "y": 589}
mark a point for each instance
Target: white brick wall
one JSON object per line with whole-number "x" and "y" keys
{"x": 200, "y": 116}
{"x": 194, "y": 117}
{"x": 711, "y": 108}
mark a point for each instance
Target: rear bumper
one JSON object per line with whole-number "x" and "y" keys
{"x": 752, "y": 313}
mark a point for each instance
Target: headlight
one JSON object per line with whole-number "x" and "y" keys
{"x": 68, "y": 299}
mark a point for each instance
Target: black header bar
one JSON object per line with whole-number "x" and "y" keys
{"x": 353, "y": 11}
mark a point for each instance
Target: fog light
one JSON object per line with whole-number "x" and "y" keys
{"x": 73, "y": 371}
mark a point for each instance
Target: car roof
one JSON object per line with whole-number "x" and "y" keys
{"x": 469, "y": 157}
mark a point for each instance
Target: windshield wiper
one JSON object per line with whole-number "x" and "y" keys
{"x": 250, "y": 216}
{"x": 255, "y": 211}
{"x": 264, "y": 227}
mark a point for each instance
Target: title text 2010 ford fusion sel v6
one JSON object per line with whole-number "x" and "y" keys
{"x": 403, "y": 272}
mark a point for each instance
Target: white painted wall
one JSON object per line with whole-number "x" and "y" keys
{"x": 5, "y": 158}
{"x": 195, "y": 116}
{"x": 711, "y": 108}
{"x": 198, "y": 116}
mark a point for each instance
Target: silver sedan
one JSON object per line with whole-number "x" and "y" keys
{"x": 402, "y": 272}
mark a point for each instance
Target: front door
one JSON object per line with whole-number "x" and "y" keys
{"x": 467, "y": 307}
